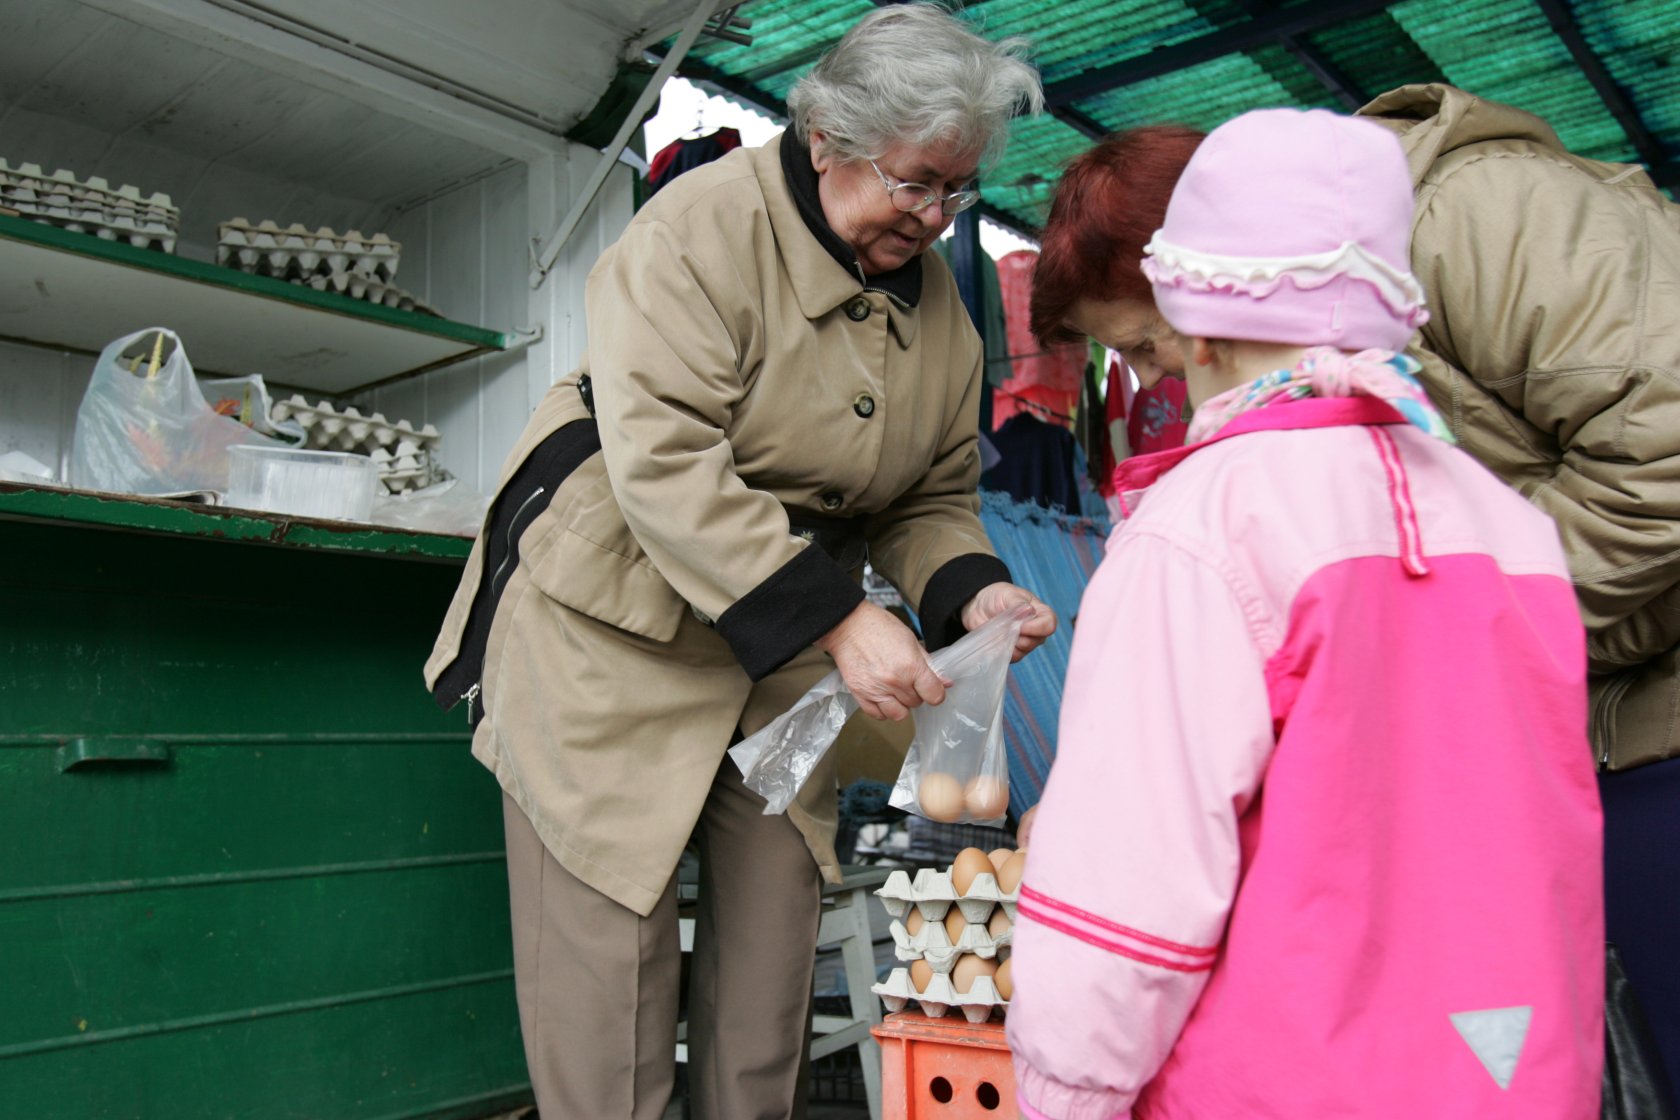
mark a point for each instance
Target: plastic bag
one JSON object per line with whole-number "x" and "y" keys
{"x": 777, "y": 760}
{"x": 955, "y": 770}
{"x": 246, "y": 400}
{"x": 144, "y": 427}
{"x": 964, "y": 733}
{"x": 450, "y": 507}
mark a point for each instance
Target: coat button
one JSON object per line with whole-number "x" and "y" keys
{"x": 864, "y": 406}
{"x": 832, "y": 501}
{"x": 858, "y": 310}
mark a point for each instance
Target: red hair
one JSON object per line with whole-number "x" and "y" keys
{"x": 1110, "y": 202}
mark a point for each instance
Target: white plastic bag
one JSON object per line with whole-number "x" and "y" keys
{"x": 955, "y": 770}
{"x": 144, "y": 427}
{"x": 450, "y": 507}
{"x": 776, "y": 761}
{"x": 961, "y": 738}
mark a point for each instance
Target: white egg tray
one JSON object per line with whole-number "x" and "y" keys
{"x": 357, "y": 286}
{"x": 296, "y": 252}
{"x": 933, "y": 944}
{"x": 404, "y": 455}
{"x": 978, "y": 1004}
{"x": 60, "y": 199}
{"x": 932, "y": 893}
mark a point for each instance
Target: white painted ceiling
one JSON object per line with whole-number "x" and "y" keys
{"x": 171, "y": 94}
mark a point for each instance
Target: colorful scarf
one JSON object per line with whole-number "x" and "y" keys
{"x": 1325, "y": 371}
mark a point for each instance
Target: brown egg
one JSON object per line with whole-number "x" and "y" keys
{"x": 968, "y": 969}
{"x": 969, "y": 863}
{"x": 913, "y": 921}
{"x": 986, "y": 797}
{"x": 1005, "y": 984}
{"x": 1010, "y": 877}
{"x": 941, "y": 797}
{"x": 920, "y": 974}
{"x": 999, "y": 856}
{"x": 999, "y": 924}
{"x": 955, "y": 923}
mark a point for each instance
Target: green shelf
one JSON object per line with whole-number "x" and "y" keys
{"x": 189, "y": 519}
{"x": 76, "y": 291}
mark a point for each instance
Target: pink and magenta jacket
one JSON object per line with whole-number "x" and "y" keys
{"x": 1322, "y": 837}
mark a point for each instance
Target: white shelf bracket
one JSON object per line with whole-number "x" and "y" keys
{"x": 545, "y": 259}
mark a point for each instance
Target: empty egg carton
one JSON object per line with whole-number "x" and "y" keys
{"x": 92, "y": 207}
{"x": 352, "y": 264}
{"x": 296, "y": 252}
{"x": 977, "y": 1004}
{"x": 404, "y": 456}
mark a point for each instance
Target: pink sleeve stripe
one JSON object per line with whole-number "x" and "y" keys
{"x": 1400, "y": 494}
{"x": 1115, "y": 927}
{"x": 1043, "y": 918}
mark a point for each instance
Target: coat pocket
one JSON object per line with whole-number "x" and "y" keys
{"x": 596, "y": 567}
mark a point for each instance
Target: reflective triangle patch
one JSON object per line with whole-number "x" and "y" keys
{"x": 1496, "y": 1037}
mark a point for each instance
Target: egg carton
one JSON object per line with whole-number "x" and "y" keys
{"x": 357, "y": 286}
{"x": 933, "y": 893}
{"x": 296, "y": 252}
{"x": 932, "y": 942}
{"x": 408, "y": 468}
{"x": 92, "y": 207}
{"x": 978, "y": 1004}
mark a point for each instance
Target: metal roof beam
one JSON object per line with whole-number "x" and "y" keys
{"x": 1257, "y": 32}
{"x": 1316, "y": 62}
{"x": 1650, "y": 149}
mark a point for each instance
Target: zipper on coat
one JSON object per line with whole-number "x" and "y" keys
{"x": 513, "y": 531}
{"x": 469, "y": 696}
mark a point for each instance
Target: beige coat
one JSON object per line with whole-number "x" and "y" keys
{"x": 1554, "y": 352}
{"x": 731, "y": 358}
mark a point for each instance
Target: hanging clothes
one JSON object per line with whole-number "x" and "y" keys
{"x": 1036, "y": 463}
{"x": 1048, "y": 376}
{"x": 687, "y": 153}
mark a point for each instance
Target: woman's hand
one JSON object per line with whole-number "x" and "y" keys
{"x": 882, "y": 663}
{"x": 997, "y": 598}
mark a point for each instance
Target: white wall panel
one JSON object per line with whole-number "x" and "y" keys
{"x": 40, "y": 391}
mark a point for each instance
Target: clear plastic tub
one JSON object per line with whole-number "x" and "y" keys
{"x": 326, "y": 484}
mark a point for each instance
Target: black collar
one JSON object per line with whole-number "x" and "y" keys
{"x": 903, "y": 284}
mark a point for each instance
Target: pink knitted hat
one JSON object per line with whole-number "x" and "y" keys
{"x": 1291, "y": 227}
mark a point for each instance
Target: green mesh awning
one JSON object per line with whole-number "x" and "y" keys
{"x": 1604, "y": 73}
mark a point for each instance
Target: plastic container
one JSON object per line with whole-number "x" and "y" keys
{"x": 327, "y": 484}
{"x": 944, "y": 1069}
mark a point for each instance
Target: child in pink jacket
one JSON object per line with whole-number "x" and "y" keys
{"x": 1322, "y": 837}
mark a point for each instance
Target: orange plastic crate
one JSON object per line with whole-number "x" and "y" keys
{"x": 944, "y": 1069}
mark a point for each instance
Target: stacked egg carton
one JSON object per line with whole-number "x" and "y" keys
{"x": 405, "y": 456}
{"x": 351, "y": 263}
{"x": 92, "y": 207}
{"x": 956, "y": 943}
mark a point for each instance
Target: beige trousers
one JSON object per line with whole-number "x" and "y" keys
{"x": 598, "y": 984}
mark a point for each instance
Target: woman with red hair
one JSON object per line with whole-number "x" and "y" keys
{"x": 1089, "y": 282}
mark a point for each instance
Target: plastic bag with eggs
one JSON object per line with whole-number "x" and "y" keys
{"x": 955, "y": 770}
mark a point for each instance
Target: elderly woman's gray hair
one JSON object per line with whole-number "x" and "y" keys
{"x": 914, "y": 74}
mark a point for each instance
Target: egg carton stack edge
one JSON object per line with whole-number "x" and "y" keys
{"x": 404, "y": 455}
{"x": 60, "y": 199}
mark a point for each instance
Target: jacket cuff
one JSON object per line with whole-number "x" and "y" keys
{"x": 1042, "y": 1098}
{"x": 950, "y": 589}
{"x": 799, "y": 603}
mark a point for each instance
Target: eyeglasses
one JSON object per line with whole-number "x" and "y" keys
{"x": 911, "y": 197}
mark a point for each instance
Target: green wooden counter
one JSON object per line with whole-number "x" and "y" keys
{"x": 247, "y": 868}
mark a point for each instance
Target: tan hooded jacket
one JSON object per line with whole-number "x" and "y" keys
{"x": 1553, "y": 350}
{"x": 662, "y": 598}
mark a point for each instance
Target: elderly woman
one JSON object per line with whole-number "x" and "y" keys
{"x": 780, "y": 382}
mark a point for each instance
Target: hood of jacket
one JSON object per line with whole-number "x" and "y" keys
{"x": 1433, "y": 120}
